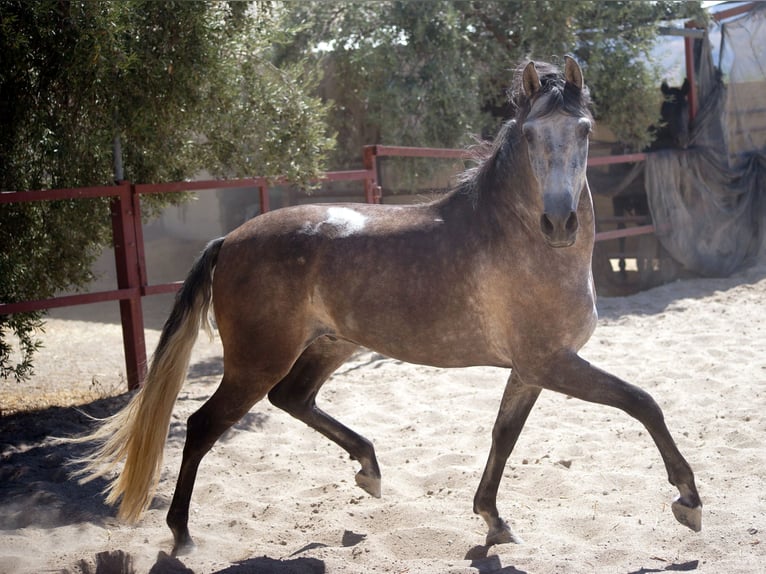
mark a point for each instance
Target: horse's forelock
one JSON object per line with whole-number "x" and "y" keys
{"x": 555, "y": 93}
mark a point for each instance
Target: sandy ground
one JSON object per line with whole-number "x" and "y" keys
{"x": 585, "y": 487}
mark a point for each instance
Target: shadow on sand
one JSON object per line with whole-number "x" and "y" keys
{"x": 120, "y": 562}
{"x": 35, "y": 484}
{"x": 679, "y": 567}
{"x": 489, "y": 564}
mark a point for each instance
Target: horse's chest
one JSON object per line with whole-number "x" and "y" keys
{"x": 540, "y": 312}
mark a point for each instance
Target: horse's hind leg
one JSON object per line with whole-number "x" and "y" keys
{"x": 572, "y": 375}
{"x": 234, "y": 397}
{"x": 518, "y": 400}
{"x": 296, "y": 394}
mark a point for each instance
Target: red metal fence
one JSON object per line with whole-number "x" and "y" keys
{"x": 132, "y": 282}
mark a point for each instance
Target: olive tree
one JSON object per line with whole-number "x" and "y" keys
{"x": 183, "y": 86}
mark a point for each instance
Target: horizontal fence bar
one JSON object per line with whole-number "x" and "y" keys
{"x": 731, "y": 12}
{"x": 350, "y": 175}
{"x": 597, "y": 160}
{"x": 696, "y": 33}
{"x": 625, "y": 219}
{"x": 68, "y": 301}
{"x": 185, "y": 186}
{"x": 447, "y": 153}
{"x": 629, "y": 232}
{"x": 212, "y": 184}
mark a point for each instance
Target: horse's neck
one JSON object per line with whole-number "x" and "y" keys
{"x": 507, "y": 195}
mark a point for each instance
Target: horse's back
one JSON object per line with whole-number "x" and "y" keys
{"x": 392, "y": 278}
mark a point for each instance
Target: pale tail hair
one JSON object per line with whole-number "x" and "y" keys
{"x": 136, "y": 435}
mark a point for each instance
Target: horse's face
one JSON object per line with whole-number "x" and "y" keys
{"x": 557, "y": 145}
{"x": 675, "y": 115}
{"x": 558, "y": 153}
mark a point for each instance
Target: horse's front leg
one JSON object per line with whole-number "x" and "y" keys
{"x": 570, "y": 374}
{"x": 518, "y": 400}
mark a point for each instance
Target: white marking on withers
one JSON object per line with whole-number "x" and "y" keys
{"x": 346, "y": 220}
{"x": 342, "y": 222}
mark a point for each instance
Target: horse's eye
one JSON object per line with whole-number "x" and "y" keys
{"x": 584, "y": 127}
{"x": 529, "y": 134}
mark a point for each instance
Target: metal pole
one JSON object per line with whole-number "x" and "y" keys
{"x": 689, "y": 52}
{"x": 372, "y": 191}
{"x": 119, "y": 174}
{"x": 127, "y": 237}
{"x": 128, "y": 277}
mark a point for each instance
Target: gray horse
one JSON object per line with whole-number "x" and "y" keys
{"x": 497, "y": 272}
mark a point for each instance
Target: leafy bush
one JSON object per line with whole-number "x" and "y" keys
{"x": 185, "y": 86}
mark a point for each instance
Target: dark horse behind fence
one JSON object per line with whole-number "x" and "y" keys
{"x": 498, "y": 272}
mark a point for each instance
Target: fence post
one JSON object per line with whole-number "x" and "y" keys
{"x": 263, "y": 195}
{"x": 372, "y": 191}
{"x": 692, "y": 97}
{"x": 124, "y": 213}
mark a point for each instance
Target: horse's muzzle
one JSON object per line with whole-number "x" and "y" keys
{"x": 559, "y": 229}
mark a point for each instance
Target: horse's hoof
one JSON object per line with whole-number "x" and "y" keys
{"x": 689, "y": 516}
{"x": 502, "y": 534}
{"x": 183, "y": 547}
{"x": 370, "y": 484}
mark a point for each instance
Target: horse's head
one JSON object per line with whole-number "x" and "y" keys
{"x": 556, "y": 129}
{"x": 674, "y": 132}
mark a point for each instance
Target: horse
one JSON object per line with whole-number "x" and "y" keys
{"x": 672, "y": 133}
{"x": 497, "y": 272}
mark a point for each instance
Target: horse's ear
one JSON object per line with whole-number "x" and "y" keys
{"x": 685, "y": 87}
{"x": 530, "y": 80}
{"x": 572, "y": 72}
{"x": 665, "y": 88}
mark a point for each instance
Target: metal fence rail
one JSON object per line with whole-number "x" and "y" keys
{"x": 128, "y": 239}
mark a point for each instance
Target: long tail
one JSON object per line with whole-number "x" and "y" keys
{"x": 137, "y": 434}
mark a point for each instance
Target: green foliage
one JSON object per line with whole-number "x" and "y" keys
{"x": 186, "y": 86}
{"x": 429, "y": 73}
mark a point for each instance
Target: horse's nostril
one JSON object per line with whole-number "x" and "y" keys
{"x": 559, "y": 229}
{"x": 572, "y": 224}
{"x": 546, "y": 224}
